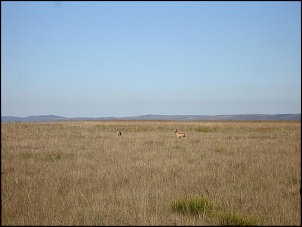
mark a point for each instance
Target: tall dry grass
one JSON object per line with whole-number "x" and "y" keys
{"x": 221, "y": 173}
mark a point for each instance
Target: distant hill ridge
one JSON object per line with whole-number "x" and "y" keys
{"x": 236, "y": 117}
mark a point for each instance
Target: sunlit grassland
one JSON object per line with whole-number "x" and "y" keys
{"x": 81, "y": 173}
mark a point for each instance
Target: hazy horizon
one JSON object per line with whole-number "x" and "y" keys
{"x": 122, "y": 59}
{"x": 155, "y": 115}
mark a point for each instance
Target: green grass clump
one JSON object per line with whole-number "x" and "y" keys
{"x": 192, "y": 206}
{"x": 235, "y": 219}
{"x": 177, "y": 146}
{"x": 220, "y": 149}
{"x": 205, "y": 129}
{"x": 53, "y": 156}
{"x": 203, "y": 206}
{"x": 27, "y": 155}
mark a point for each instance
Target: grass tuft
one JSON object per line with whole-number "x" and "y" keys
{"x": 53, "y": 156}
{"x": 203, "y": 206}
{"x": 177, "y": 146}
{"x": 205, "y": 129}
{"x": 192, "y": 206}
{"x": 235, "y": 219}
{"x": 27, "y": 155}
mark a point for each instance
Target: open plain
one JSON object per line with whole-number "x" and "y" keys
{"x": 82, "y": 173}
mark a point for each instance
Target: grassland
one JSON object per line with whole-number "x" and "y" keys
{"x": 81, "y": 173}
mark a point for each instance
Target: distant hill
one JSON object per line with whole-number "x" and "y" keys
{"x": 40, "y": 118}
{"x": 237, "y": 117}
{"x": 245, "y": 117}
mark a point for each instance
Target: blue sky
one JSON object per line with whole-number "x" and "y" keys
{"x": 102, "y": 59}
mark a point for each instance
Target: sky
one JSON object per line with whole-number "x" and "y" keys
{"x": 119, "y": 59}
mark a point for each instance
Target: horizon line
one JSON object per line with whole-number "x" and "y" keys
{"x": 47, "y": 115}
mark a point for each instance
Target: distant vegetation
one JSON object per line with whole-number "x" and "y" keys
{"x": 82, "y": 173}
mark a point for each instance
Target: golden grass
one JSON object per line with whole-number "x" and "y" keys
{"x": 81, "y": 173}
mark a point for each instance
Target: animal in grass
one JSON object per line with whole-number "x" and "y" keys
{"x": 118, "y": 133}
{"x": 179, "y": 134}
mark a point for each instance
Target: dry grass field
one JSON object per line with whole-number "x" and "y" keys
{"x": 81, "y": 173}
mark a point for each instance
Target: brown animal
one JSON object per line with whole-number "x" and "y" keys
{"x": 118, "y": 133}
{"x": 179, "y": 134}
